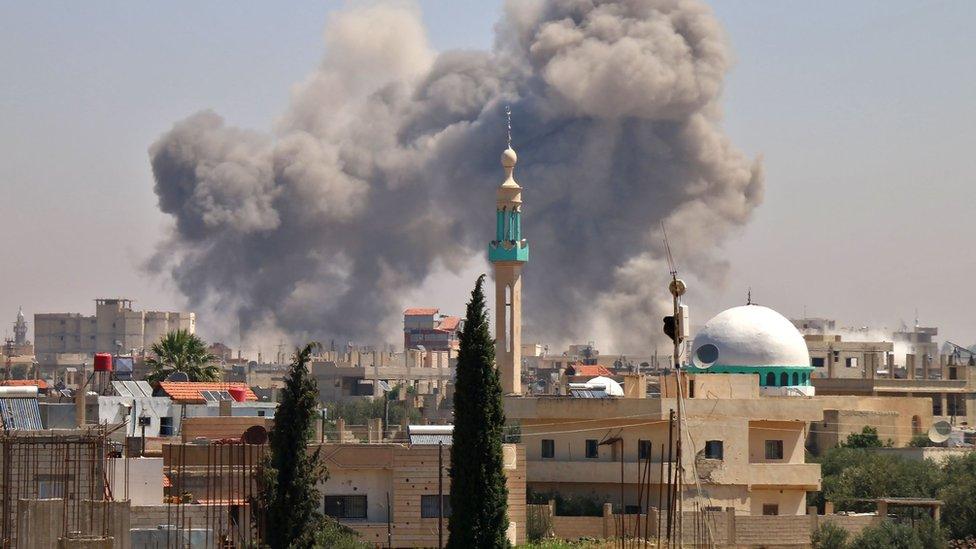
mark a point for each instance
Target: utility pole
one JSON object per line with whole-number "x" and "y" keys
{"x": 677, "y": 288}
{"x": 440, "y": 494}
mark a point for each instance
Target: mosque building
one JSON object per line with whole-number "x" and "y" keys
{"x": 752, "y": 339}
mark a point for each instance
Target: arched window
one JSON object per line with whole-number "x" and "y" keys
{"x": 784, "y": 379}
{"x": 796, "y": 378}
{"x": 770, "y": 379}
{"x": 508, "y": 319}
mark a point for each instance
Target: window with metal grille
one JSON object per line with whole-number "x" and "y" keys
{"x": 592, "y": 448}
{"x": 770, "y": 509}
{"x": 548, "y": 448}
{"x": 714, "y": 449}
{"x": 429, "y": 508}
{"x": 346, "y": 507}
{"x": 774, "y": 449}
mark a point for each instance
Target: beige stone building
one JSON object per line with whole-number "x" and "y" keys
{"x": 389, "y": 492}
{"x": 115, "y": 328}
{"x": 832, "y": 357}
{"x": 746, "y": 450}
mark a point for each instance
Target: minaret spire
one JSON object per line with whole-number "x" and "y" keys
{"x": 508, "y": 125}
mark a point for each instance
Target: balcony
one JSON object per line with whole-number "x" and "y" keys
{"x": 804, "y": 476}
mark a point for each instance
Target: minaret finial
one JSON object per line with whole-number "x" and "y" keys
{"x": 508, "y": 125}
{"x": 749, "y": 296}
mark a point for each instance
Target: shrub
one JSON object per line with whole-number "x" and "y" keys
{"x": 888, "y": 535}
{"x": 829, "y": 536}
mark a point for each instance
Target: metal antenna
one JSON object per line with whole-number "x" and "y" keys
{"x": 508, "y": 125}
{"x": 667, "y": 246}
{"x": 749, "y": 296}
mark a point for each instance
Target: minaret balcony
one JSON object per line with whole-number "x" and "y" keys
{"x": 508, "y": 250}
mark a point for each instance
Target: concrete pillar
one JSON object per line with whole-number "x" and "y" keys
{"x": 38, "y": 523}
{"x": 730, "y": 527}
{"x": 341, "y": 428}
{"x": 225, "y": 408}
{"x": 830, "y": 363}
{"x": 107, "y": 518}
{"x": 871, "y": 365}
{"x": 891, "y": 365}
{"x": 910, "y": 365}
{"x": 374, "y": 429}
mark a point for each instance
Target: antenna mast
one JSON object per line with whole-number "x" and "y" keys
{"x": 677, "y": 288}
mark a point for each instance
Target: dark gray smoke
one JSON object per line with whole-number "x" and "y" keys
{"x": 385, "y": 165}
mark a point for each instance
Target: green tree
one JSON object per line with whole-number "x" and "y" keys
{"x": 867, "y": 438}
{"x": 478, "y": 492}
{"x": 851, "y": 475}
{"x": 288, "y": 501}
{"x": 959, "y": 512}
{"x": 829, "y": 536}
{"x": 181, "y": 351}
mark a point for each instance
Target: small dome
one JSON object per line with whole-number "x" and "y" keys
{"x": 509, "y": 158}
{"x": 611, "y": 387}
{"x": 750, "y": 335}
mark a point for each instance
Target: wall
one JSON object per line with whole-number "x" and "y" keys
{"x": 895, "y": 418}
{"x": 145, "y": 486}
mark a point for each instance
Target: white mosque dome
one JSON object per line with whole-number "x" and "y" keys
{"x": 750, "y": 335}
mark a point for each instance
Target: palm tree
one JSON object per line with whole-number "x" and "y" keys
{"x": 181, "y": 351}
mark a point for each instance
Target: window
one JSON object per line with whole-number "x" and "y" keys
{"x": 937, "y": 405}
{"x": 770, "y": 379}
{"x": 714, "y": 449}
{"x": 260, "y": 413}
{"x": 851, "y": 362}
{"x": 430, "y": 509}
{"x": 346, "y": 507}
{"x": 836, "y": 356}
{"x": 166, "y": 426}
{"x": 548, "y": 448}
{"x": 817, "y": 362}
{"x": 51, "y": 486}
{"x": 643, "y": 449}
{"x": 691, "y": 388}
{"x": 592, "y": 448}
{"x": 770, "y": 509}
{"x": 774, "y": 449}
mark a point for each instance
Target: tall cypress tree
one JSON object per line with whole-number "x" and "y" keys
{"x": 288, "y": 502}
{"x": 479, "y": 497}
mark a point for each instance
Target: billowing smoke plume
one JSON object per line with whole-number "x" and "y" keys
{"x": 385, "y": 165}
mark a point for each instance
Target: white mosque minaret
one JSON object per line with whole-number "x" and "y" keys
{"x": 508, "y": 252}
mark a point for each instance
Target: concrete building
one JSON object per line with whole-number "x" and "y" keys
{"x": 747, "y": 404}
{"x": 426, "y": 328}
{"x": 344, "y": 376}
{"x": 371, "y": 485}
{"x": 115, "y": 328}
{"x": 508, "y": 252}
{"x": 832, "y": 357}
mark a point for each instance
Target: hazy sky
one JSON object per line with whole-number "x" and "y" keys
{"x": 863, "y": 111}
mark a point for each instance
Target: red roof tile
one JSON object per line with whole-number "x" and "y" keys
{"x": 449, "y": 323}
{"x": 39, "y": 383}
{"x": 188, "y": 392}
{"x": 421, "y": 311}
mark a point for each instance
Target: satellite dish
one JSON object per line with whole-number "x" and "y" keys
{"x": 939, "y": 432}
{"x": 255, "y": 434}
{"x": 705, "y": 355}
{"x": 178, "y": 376}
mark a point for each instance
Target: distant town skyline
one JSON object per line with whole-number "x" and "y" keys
{"x": 861, "y": 112}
